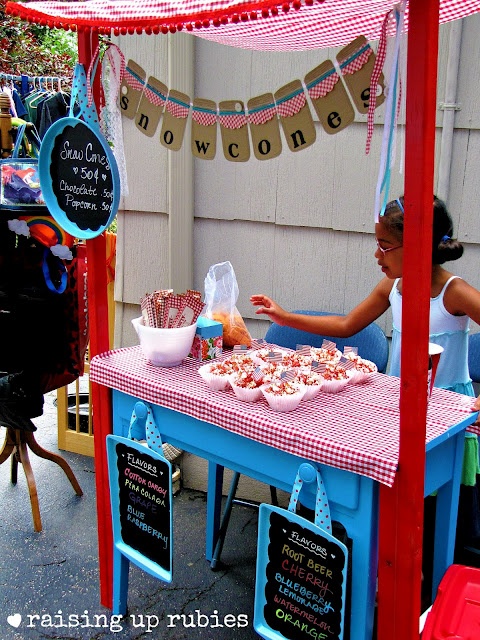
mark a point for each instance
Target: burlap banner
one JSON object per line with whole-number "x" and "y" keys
{"x": 331, "y": 89}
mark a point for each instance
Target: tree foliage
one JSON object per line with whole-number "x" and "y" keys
{"x": 33, "y": 50}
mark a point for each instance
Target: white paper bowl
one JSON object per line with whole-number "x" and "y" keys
{"x": 246, "y": 394}
{"x": 164, "y": 347}
{"x": 284, "y": 402}
{"x": 334, "y": 386}
{"x": 214, "y": 381}
{"x": 359, "y": 377}
{"x": 311, "y": 391}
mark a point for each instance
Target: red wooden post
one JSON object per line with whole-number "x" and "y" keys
{"x": 401, "y": 508}
{"x": 99, "y": 342}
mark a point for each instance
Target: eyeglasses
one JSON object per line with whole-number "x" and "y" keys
{"x": 384, "y": 251}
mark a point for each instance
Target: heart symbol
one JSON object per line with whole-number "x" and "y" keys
{"x": 14, "y": 620}
{"x": 75, "y": 169}
{"x": 333, "y": 555}
{"x": 104, "y": 176}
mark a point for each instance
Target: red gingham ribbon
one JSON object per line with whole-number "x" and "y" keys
{"x": 233, "y": 121}
{"x": 205, "y": 118}
{"x": 132, "y": 81}
{"x": 357, "y": 63}
{"x": 261, "y": 116}
{"x": 292, "y": 106}
{"x": 323, "y": 87}
{"x": 92, "y": 67}
{"x": 154, "y": 96}
{"x": 377, "y": 69}
{"x": 89, "y": 75}
{"x": 177, "y": 110}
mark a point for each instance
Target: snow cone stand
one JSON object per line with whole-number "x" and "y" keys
{"x": 297, "y": 25}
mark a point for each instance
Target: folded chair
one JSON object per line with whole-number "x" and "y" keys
{"x": 372, "y": 345}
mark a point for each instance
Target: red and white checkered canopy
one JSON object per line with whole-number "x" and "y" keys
{"x": 262, "y": 24}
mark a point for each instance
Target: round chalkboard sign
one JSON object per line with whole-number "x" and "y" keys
{"x": 79, "y": 178}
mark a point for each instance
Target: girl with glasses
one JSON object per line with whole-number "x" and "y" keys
{"x": 453, "y": 303}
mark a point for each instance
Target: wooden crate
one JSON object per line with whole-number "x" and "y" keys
{"x": 75, "y": 425}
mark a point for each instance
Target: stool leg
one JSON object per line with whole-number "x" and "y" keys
{"x": 32, "y": 487}
{"x": 54, "y": 457}
{"x": 14, "y": 467}
{"x": 8, "y": 445}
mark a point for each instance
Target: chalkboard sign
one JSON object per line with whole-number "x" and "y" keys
{"x": 141, "y": 495}
{"x": 301, "y": 579}
{"x": 79, "y": 177}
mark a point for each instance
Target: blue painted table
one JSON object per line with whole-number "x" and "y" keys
{"x": 351, "y": 436}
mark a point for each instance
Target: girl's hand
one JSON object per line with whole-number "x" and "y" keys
{"x": 268, "y": 307}
{"x": 476, "y": 407}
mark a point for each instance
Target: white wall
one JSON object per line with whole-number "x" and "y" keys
{"x": 298, "y": 227}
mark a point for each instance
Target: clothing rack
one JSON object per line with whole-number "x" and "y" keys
{"x": 25, "y": 81}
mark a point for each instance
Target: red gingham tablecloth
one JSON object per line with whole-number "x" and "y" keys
{"x": 356, "y": 429}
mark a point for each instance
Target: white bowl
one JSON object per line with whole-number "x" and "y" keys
{"x": 359, "y": 377}
{"x": 284, "y": 402}
{"x": 245, "y": 394}
{"x": 334, "y": 386}
{"x": 214, "y": 381}
{"x": 164, "y": 347}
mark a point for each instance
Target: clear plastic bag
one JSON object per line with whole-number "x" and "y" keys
{"x": 221, "y": 294}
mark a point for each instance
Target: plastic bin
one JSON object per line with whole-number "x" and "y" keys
{"x": 455, "y": 613}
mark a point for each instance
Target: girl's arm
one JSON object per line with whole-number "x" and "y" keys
{"x": 361, "y": 316}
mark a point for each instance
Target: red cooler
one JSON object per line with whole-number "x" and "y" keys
{"x": 455, "y": 614}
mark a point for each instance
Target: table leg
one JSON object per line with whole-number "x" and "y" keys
{"x": 214, "y": 506}
{"x": 446, "y": 518}
{"x": 225, "y": 520}
{"x": 363, "y": 531}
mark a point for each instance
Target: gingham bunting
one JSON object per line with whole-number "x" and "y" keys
{"x": 177, "y": 109}
{"x": 133, "y": 80}
{"x": 205, "y": 117}
{"x": 314, "y": 25}
{"x": 356, "y": 61}
{"x": 261, "y": 115}
{"x": 232, "y": 120}
{"x": 154, "y": 96}
{"x": 356, "y": 430}
{"x": 291, "y": 105}
{"x": 321, "y": 87}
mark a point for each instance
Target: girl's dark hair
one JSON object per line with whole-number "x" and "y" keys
{"x": 444, "y": 247}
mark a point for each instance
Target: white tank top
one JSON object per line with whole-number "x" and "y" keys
{"x": 447, "y": 330}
